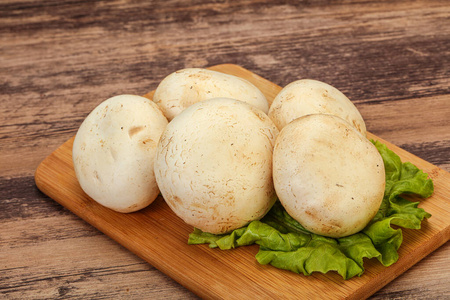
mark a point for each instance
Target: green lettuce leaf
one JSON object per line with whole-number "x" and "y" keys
{"x": 320, "y": 255}
{"x": 286, "y": 244}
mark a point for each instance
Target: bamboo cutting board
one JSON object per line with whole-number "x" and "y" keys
{"x": 158, "y": 236}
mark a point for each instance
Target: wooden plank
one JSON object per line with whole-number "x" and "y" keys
{"x": 159, "y": 237}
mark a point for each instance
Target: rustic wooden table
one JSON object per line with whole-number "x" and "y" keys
{"x": 59, "y": 59}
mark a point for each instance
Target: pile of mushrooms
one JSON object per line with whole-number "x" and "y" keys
{"x": 220, "y": 156}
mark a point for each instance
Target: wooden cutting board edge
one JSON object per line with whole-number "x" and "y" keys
{"x": 440, "y": 177}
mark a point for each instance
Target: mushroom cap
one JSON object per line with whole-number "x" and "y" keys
{"x": 114, "y": 151}
{"x": 214, "y": 164}
{"x": 307, "y": 96}
{"x": 185, "y": 87}
{"x": 327, "y": 175}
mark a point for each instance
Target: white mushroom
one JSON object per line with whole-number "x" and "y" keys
{"x": 214, "y": 164}
{"x": 188, "y": 86}
{"x": 328, "y": 176}
{"x": 306, "y": 96}
{"x": 114, "y": 150}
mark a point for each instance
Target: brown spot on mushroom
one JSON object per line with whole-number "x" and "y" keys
{"x": 330, "y": 227}
{"x": 174, "y": 201}
{"x": 132, "y": 207}
{"x": 356, "y": 125}
{"x": 97, "y": 177}
{"x": 201, "y": 76}
{"x": 135, "y": 130}
{"x": 259, "y": 115}
{"x": 149, "y": 142}
{"x": 312, "y": 214}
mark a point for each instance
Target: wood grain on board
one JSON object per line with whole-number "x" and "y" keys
{"x": 158, "y": 236}
{"x": 59, "y": 59}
